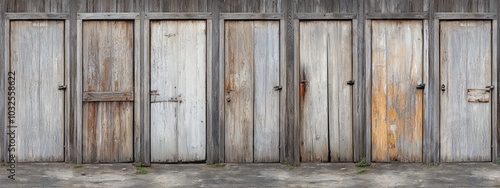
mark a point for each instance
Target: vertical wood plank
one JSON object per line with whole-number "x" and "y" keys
{"x": 340, "y": 105}
{"x": 313, "y": 92}
{"x": 238, "y": 84}
{"x": 494, "y": 94}
{"x": 215, "y": 91}
{"x": 266, "y": 98}
{"x": 397, "y": 104}
{"x": 359, "y": 124}
{"x": 368, "y": 89}
{"x": 3, "y": 96}
{"x": 466, "y": 63}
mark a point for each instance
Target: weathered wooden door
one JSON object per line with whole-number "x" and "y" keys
{"x": 396, "y": 116}
{"x": 326, "y": 96}
{"x": 37, "y": 58}
{"x": 252, "y": 102}
{"x": 108, "y": 91}
{"x": 465, "y": 114}
{"x": 178, "y": 91}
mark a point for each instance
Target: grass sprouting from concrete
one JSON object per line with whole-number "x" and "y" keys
{"x": 362, "y": 163}
{"x": 140, "y": 169}
{"x": 360, "y": 171}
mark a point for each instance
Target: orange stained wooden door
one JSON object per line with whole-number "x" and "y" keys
{"x": 396, "y": 114}
{"x": 108, "y": 85}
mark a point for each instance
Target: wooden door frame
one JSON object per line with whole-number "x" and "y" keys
{"x": 37, "y": 17}
{"x": 436, "y": 67}
{"x": 368, "y": 72}
{"x": 135, "y": 17}
{"x": 222, "y": 76}
{"x": 146, "y": 88}
{"x": 357, "y": 125}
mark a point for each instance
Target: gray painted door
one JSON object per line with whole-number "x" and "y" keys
{"x": 465, "y": 60}
{"x": 37, "y": 58}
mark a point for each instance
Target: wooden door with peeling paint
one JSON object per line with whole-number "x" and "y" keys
{"x": 252, "y": 103}
{"x": 108, "y": 91}
{"x": 178, "y": 85}
{"x": 325, "y": 95}
{"x": 396, "y": 114}
{"x": 465, "y": 54}
{"x": 37, "y": 59}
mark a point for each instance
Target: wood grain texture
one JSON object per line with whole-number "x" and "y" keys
{"x": 395, "y": 6}
{"x": 266, "y": 98}
{"x": 178, "y": 64}
{"x": 179, "y": 6}
{"x": 466, "y": 6}
{"x": 396, "y": 128}
{"x": 255, "y": 6}
{"x": 109, "y": 5}
{"x": 37, "y": 57}
{"x": 108, "y": 67}
{"x": 239, "y": 82}
{"x": 251, "y": 110}
{"x": 49, "y": 6}
{"x": 326, "y": 6}
{"x": 3, "y": 82}
{"x": 326, "y": 99}
{"x": 465, "y": 60}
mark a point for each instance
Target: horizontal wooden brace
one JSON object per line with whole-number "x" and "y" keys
{"x": 108, "y": 16}
{"x": 465, "y": 16}
{"x": 108, "y": 96}
{"x": 397, "y": 16}
{"x": 186, "y": 15}
{"x": 251, "y": 16}
{"x": 37, "y": 16}
{"x": 324, "y": 16}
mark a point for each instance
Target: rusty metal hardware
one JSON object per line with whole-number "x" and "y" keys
{"x": 492, "y": 87}
{"x": 421, "y": 86}
{"x": 62, "y": 87}
{"x": 175, "y": 99}
{"x": 278, "y": 88}
{"x": 443, "y": 87}
{"x": 350, "y": 82}
{"x": 228, "y": 99}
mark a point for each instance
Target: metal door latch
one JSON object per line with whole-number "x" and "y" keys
{"x": 421, "y": 86}
{"x": 62, "y": 87}
{"x": 278, "y": 88}
{"x": 492, "y": 87}
{"x": 350, "y": 82}
{"x": 443, "y": 87}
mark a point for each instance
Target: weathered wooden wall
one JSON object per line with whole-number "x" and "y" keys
{"x": 289, "y": 13}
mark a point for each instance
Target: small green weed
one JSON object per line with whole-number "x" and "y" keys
{"x": 77, "y": 166}
{"x": 362, "y": 163}
{"x": 360, "y": 171}
{"x": 498, "y": 161}
{"x": 140, "y": 169}
{"x": 216, "y": 165}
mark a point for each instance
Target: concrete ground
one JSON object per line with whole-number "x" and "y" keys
{"x": 254, "y": 175}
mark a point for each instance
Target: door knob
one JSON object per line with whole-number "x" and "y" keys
{"x": 492, "y": 87}
{"x": 421, "y": 86}
{"x": 443, "y": 87}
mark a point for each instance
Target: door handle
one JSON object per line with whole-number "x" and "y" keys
{"x": 350, "y": 82}
{"x": 278, "y": 88}
{"x": 421, "y": 86}
{"x": 492, "y": 87}
{"x": 443, "y": 87}
{"x": 62, "y": 87}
